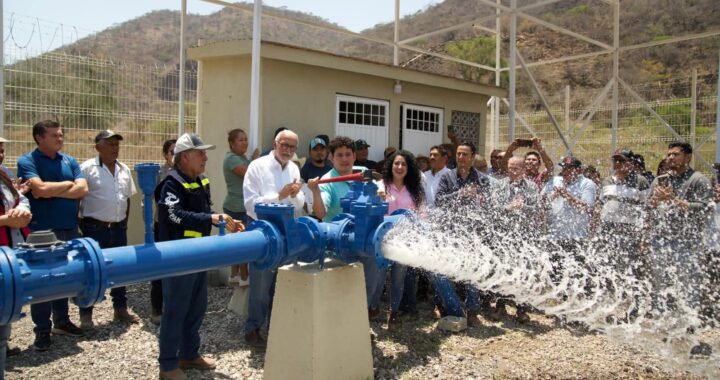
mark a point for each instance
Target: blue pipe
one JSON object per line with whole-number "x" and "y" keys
{"x": 80, "y": 270}
{"x": 147, "y": 180}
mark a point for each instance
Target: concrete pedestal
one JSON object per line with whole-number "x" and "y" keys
{"x": 319, "y": 327}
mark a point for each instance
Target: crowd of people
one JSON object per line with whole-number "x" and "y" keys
{"x": 641, "y": 212}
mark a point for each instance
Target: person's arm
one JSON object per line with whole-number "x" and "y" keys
{"x": 549, "y": 165}
{"x": 42, "y": 189}
{"x": 237, "y": 166}
{"x": 78, "y": 190}
{"x": 318, "y": 204}
{"x": 585, "y": 202}
{"x": 699, "y": 195}
{"x": 17, "y": 217}
{"x": 508, "y": 153}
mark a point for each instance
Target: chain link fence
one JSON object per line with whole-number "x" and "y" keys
{"x": 641, "y": 125}
{"x": 87, "y": 95}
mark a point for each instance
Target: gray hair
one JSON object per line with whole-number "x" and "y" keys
{"x": 286, "y": 133}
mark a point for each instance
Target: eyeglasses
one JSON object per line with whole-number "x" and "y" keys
{"x": 285, "y": 146}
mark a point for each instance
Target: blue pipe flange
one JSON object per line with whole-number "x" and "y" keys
{"x": 339, "y": 244}
{"x": 12, "y": 287}
{"x": 95, "y": 274}
{"x": 318, "y": 241}
{"x": 275, "y": 250}
{"x": 377, "y": 240}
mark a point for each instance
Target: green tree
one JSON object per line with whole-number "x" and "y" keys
{"x": 479, "y": 50}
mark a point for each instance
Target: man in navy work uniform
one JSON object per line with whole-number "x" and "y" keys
{"x": 55, "y": 186}
{"x": 184, "y": 212}
{"x": 104, "y": 212}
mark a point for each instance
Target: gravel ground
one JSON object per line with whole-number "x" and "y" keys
{"x": 417, "y": 350}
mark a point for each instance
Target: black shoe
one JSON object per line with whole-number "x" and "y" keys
{"x": 42, "y": 342}
{"x": 67, "y": 328}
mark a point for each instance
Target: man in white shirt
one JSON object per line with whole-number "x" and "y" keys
{"x": 269, "y": 179}
{"x": 104, "y": 212}
{"x": 438, "y": 167}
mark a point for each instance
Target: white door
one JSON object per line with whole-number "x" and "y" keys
{"x": 422, "y": 128}
{"x": 363, "y": 118}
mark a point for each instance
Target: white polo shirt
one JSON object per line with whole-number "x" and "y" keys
{"x": 108, "y": 194}
{"x": 264, "y": 180}
{"x": 431, "y": 184}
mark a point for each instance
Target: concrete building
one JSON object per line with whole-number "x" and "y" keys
{"x": 313, "y": 92}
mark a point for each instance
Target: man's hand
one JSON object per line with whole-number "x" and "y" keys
{"x": 230, "y": 224}
{"x": 662, "y": 194}
{"x": 290, "y": 190}
{"x": 537, "y": 144}
{"x": 512, "y": 147}
{"x": 468, "y": 191}
{"x": 21, "y": 186}
{"x": 516, "y": 204}
{"x": 313, "y": 184}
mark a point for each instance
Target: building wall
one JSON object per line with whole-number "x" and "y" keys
{"x": 302, "y": 98}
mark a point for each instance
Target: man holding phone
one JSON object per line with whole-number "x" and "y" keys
{"x": 533, "y": 159}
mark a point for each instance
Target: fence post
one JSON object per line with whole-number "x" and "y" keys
{"x": 693, "y": 114}
{"x": 567, "y": 108}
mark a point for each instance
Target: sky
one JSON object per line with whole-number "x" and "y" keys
{"x": 45, "y": 24}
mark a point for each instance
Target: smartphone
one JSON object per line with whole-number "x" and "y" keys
{"x": 450, "y": 128}
{"x": 663, "y": 180}
{"x": 524, "y": 143}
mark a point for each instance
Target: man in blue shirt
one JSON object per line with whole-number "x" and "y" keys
{"x": 55, "y": 186}
{"x": 318, "y": 165}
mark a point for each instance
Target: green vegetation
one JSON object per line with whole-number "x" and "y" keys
{"x": 578, "y": 10}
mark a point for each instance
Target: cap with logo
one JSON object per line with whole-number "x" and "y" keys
{"x": 317, "y": 141}
{"x": 570, "y": 162}
{"x": 106, "y": 134}
{"x": 190, "y": 141}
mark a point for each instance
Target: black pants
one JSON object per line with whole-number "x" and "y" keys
{"x": 156, "y": 298}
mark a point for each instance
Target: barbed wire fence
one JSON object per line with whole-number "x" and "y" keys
{"x": 86, "y": 95}
{"x": 638, "y": 129}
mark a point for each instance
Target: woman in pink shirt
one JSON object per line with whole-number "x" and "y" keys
{"x": 403, "y": 190}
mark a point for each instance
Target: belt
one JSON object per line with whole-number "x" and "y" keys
{"x": 88, "y": 220}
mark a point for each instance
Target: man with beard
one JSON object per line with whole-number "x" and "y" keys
{"x": 318, "y": 165}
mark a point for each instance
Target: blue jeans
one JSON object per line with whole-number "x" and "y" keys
{"x": 262, "y": 291}
{"x": 40, "y": 312}
{"x": 185, "y": 299}
{"x": 371, "y": 273}
{"x": 107, "y": 237}
{"x": 409, "y": 298}
{"x": 397, "y": 286}
{"x": 449, "y": 299}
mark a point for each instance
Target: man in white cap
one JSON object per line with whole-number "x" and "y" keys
{"x": 183, "y": 200}
{"x": 104, "y": 212}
